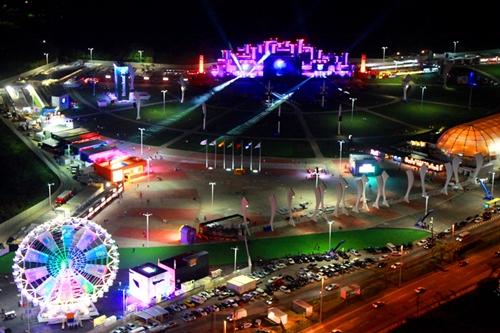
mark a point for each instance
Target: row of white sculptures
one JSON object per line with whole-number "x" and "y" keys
{"x": 341, "y": 186}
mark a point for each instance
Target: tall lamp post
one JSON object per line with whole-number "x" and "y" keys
{"x": 401, "y": 267}
{"x": 91, "y": 49}
{"x": 46, "y": 58}
{"x": 352, "y": 106}
{"x": 341, "y": 142}
{"x": 492, "y": 182}
{"x": 140, "y": 55}
{"x": 321, "y": 299}
{"x": 235, "y": 249}
{"x": 330, "y": 235}
{"x": 50, "y": 193}
{"x": 455, "y": 42}
{"x": 426, "y": 203}
{"x": 164, "y": 92}
{"x": 147, "y": 215}
{"x": 142, "y": 137}
{"x": 212, "y": 184}
{"x": 183, "y": 89}
{"x": 383, "y": 52}
{"x": 422, "y": 97}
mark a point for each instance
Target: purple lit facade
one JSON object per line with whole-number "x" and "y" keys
{"x": 280, "y": 58}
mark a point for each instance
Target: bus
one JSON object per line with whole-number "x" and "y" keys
{"x": 491, "y": 203}
{"x": 463, "y": 236}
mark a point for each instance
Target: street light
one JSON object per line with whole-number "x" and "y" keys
{"x": 401, "y": 267}
{"x": 140, "y": 55}
{"x": 455, "y": 42}
{"x": 383, "y": 52}
{"x": 50, "y": 193}
{"x": 321, "y": 299}
{"x": 422, "y": 97}
{"x": 492, "y": 182}
{"x": 330, "y": 235}
{"x": 142, "y": 137}
{"x": 235, "y": 249}
{"x": 90, "y": 50}
{"x": 212, "y": 184}
{"x": 183, "y": 88}
{"x": 426, "y": 203}
{"x": 147, "y": 227}
{"x": 352, "y": 106}
{"x": 46, "y": 58}
{"x": 164, "y": 92}
{"x": 340, "y": 162}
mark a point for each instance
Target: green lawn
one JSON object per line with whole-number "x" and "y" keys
{"x": 27, "y": 176}
{"x": 268, "y": 127}
{"x": 428, "y": 114}
{"x": 268, "y": 248}
{"x": 363, "y": 124}
{"x": 493, "y": 70}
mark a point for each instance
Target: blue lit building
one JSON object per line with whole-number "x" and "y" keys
{"x": 124, "y": 81}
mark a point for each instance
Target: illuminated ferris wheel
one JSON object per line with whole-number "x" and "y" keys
{"x": 64, "y": 266}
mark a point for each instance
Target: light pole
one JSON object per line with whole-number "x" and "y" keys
{"x": 432, "y": 227}
{"x": 426, "y": 203}
{"x": 422, "y": 97}
{"x": 147, "y": 215}
{"x": 212, "y": 184}
{"x": 352, "y": 106}
{"x": 321, "y": 299}
{"x": 142, "y": 137}
{"x": 235, "y": 249}
{"x": 341, "y": 142}
{"x": 164, "y": 92}
{"x": 148, "y": 160}
{"x": 46, "y": 58}
{"x": 330, "y": 235}
{"x": 140, "y": 55}
{"x": 317, "y": 175}
{"x": 492, "y": 182}
{"x": 183, "y": 89}
{"x": 91, "y": 49}
{"x": 401, "y": 267}
{"x": 124, "y": 302}
{"x": 50, "y": 193}
{"x": 225, "y": 326}
{"x": 383, "y": 52}
{"x": 455, "y": 42}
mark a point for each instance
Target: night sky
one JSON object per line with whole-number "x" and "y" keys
{"x": 176, "y": 31}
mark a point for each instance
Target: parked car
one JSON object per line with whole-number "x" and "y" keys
{"x": 378, "y": 304}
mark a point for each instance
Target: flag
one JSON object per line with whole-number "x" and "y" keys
{"x": 248, "y": 146}
{"x": 221, "y": 144}
{"x": 230, "y": 145}
{"x": 340, "y": 112}
{"x": 204, "y": 142}
{"x": 257, "y": 146}
{"x": 213, "y": 142}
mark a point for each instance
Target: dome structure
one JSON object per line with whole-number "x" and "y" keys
{"x": 479, "y": 136}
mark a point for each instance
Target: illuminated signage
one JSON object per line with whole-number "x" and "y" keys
{"x": 366, "y": 168}
{"x": 149, "y": 269}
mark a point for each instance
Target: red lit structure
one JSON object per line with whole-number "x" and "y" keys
{"x": 122, "y": 169}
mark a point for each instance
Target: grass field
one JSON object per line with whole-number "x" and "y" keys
{"x": 268, "y": 248}
{"x": 27, "y": 176}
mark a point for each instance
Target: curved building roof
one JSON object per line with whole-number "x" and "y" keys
{"x": 479, "y": 136}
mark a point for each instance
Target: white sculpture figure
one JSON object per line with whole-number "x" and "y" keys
{"x": 274, "y": 204}
{"x": 322, "y": 187}
{"x": 455, "y": 163}
{"x": 411, "y": 178}
{"x": 291, "y": 195}
{"x": 317, "y": 195}
{"x": 380, "y": 183}
{"x": 344, "y": 186}
{"x": 244, "y": 212}
{"x": 449, "y": 172}
{"x": 359, "y": 190}
{"x": 423, "y": 172}
{"x": 385, "y": 176}
{"x": 364, "y": 180}
{"x": 479, "y": 164}
{"x": 137, "y": 105}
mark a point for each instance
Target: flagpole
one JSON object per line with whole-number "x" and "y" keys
{"x": 251, "y": 157}
{"x": 215, "y": 154}
{"x": 339, "y": 119}
{"x": 232, "y": 158}
{"x": 224, "y": 155}
{"x": 241, "y": 163}
{"x": 206, "y": 154}
{"x": 260, "y": 155}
